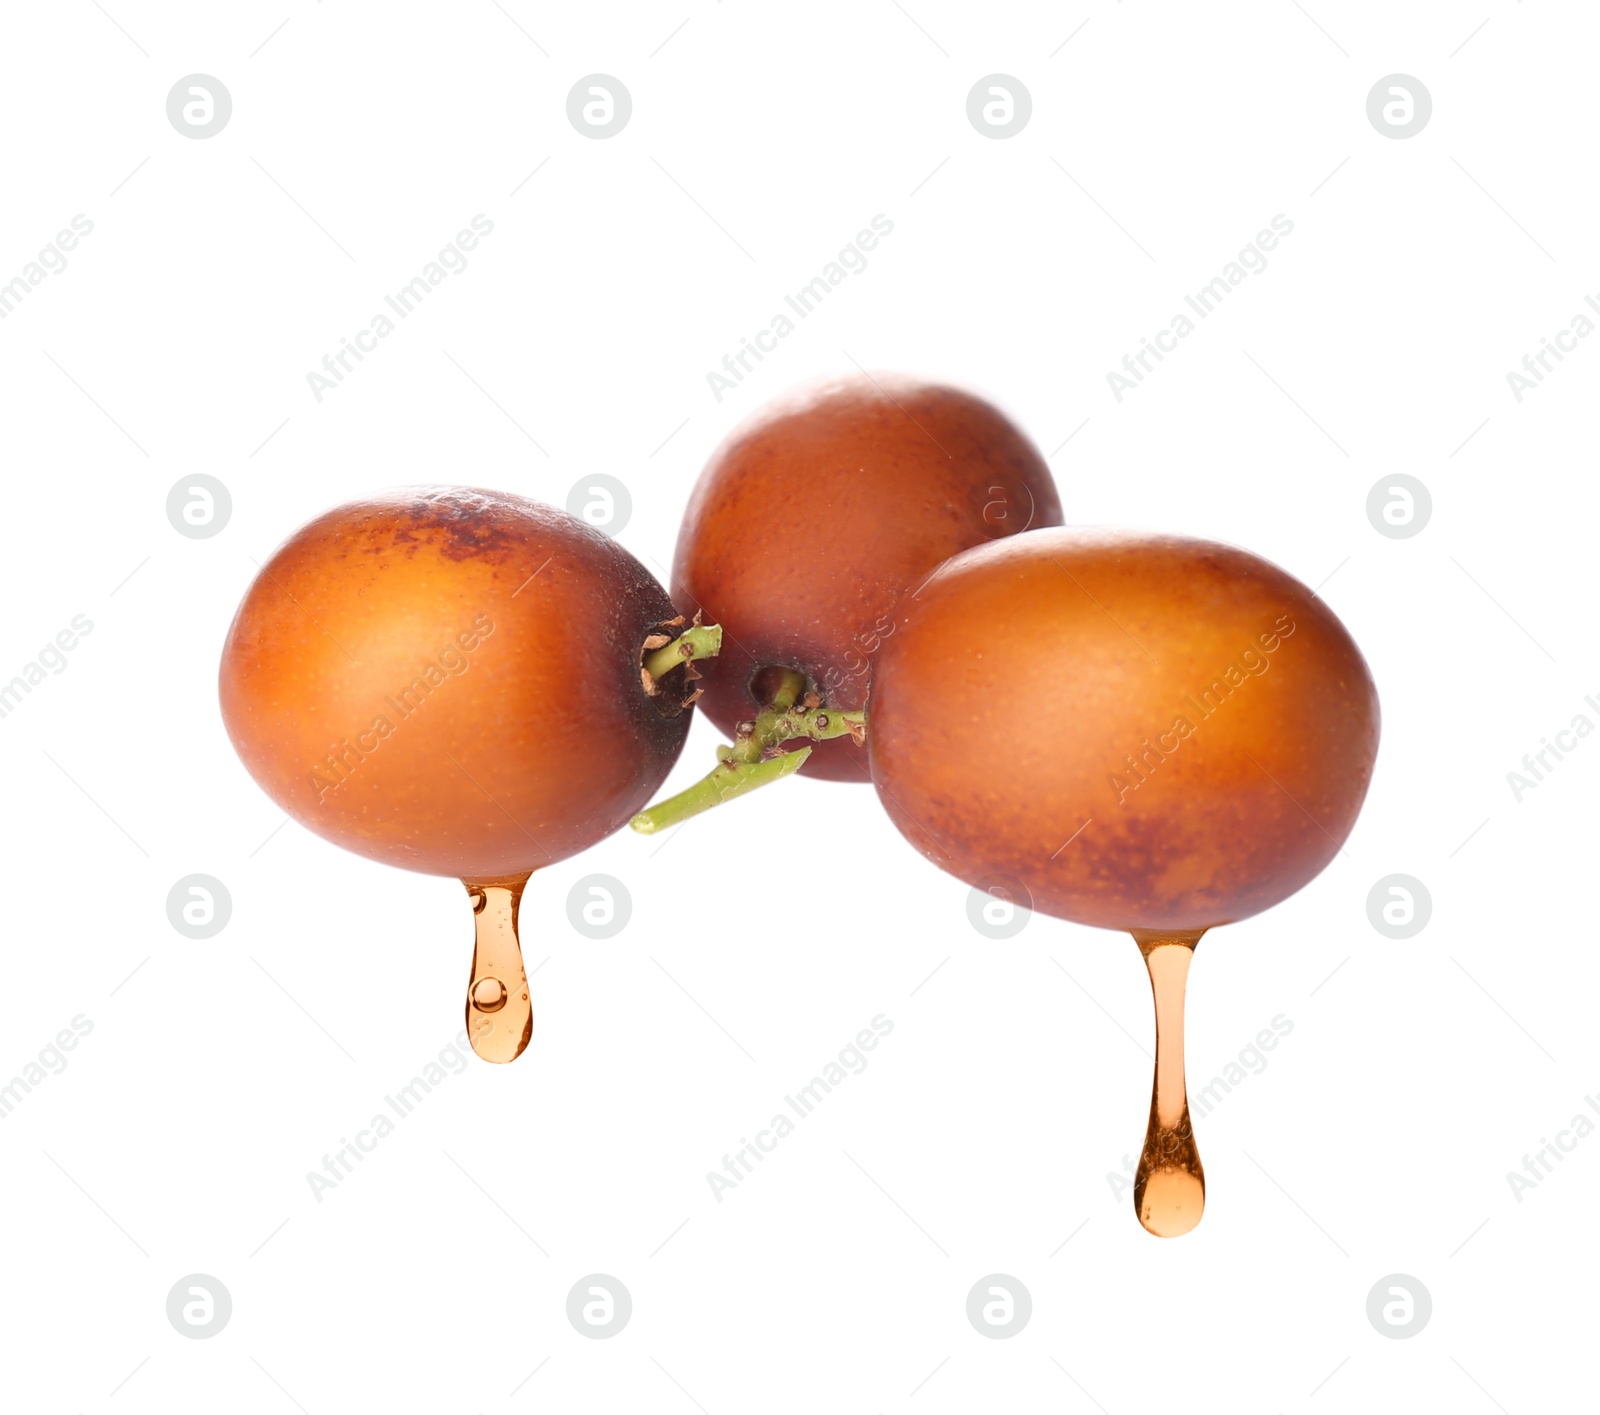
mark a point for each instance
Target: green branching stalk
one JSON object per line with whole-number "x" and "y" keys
{"x": 756, "y": 757}
{"x": 773, "y": 728}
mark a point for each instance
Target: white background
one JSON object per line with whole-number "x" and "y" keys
{"x": 177, "y": 341}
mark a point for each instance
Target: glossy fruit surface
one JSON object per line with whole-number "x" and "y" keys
{"x": 448, "y": 680}
{"x": 1194, "y": 722}
{"x": 817, "y": 515}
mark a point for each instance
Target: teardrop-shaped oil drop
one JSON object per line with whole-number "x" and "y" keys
{"x": 499, "y": 1013}
{"x": 1169, "y": 1190}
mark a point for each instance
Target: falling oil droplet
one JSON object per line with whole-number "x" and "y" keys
{"x": 1169, "y": 1191}
{"x": 499, "y": 1014}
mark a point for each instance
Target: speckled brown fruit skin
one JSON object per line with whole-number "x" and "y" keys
{"x": 548, "y": 717}
{"x": 818, "y": 514}
{"x": 1026, "y": 672}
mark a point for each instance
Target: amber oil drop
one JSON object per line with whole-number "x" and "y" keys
{"x": 1169, "y": 1190}
{"x": 499, "y": 1014}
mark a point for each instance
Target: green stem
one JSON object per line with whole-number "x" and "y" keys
{"x": 729, "y": 779}
{"x": 791, "y": 685}
{"x": 756, "y": 757}
{"x": 702, "y": 641}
